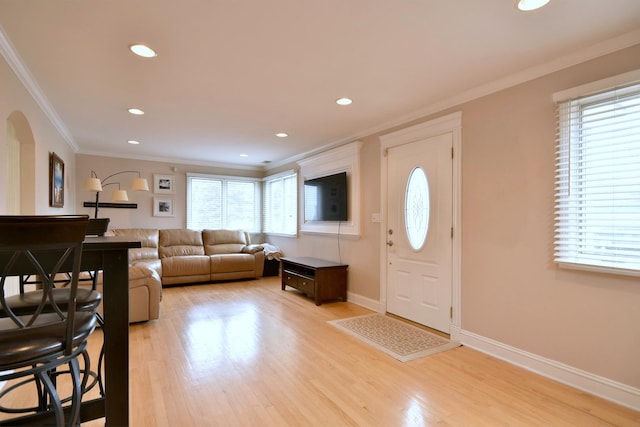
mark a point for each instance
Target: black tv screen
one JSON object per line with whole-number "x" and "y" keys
{"x": 325, "y": 198}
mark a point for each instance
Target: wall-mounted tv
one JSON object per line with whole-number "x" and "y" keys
{"x": 325, "y": 198}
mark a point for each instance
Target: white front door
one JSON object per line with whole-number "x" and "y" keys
{"x": 419, "y": 231}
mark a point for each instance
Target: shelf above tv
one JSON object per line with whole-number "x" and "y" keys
{"x": 345, "y": 158}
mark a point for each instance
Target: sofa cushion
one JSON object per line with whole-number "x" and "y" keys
{"x": 225, "y": 248}
{"x": 227, "y": 263}
{"x": 190, "y": 265}
{"x": 217, "y": 237}
{"x": 223, "y": 241}
{"x": 179, "y": 242}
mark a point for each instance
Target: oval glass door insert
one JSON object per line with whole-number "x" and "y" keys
{"x": 416, "y": 208}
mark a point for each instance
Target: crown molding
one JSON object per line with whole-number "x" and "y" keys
{"x": 623, "y": 41}
{"x": 10, "y": 55}
{"x": 173, "y": 160}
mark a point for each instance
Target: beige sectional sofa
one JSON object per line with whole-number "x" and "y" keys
{"x": 179, "y": 256}
{"x": 182, "y": 256}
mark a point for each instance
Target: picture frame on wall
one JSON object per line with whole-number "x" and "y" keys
{"x": 162, "y": 206}
{"x": 163, "y": 184}
{"x": 56, "y": 181}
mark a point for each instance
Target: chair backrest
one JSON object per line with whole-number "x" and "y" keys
{"x": 42, "y": 245}
{"x": 97, "y": 226}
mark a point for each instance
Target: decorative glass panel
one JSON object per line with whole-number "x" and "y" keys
{"x": 416, "y": 208}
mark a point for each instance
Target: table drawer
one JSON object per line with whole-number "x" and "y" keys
{"x": 289, "y": 279}
{"x": 307, "y": 285}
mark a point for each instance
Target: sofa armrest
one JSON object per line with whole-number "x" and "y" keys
{"x": 252, "y": 249}
{"x": 144, "y": 276}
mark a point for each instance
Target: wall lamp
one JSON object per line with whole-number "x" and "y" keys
{"x": 93, "y": 183}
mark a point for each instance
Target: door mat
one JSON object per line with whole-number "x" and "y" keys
{"x": 398, "y": 339}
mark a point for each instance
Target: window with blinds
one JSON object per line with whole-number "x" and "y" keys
{"x": 215, "y": 202}
{"x": 597, "y": 218}
{"x": 281, "y": 204}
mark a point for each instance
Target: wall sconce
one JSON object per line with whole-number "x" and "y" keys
{"x": 93, "y": 183}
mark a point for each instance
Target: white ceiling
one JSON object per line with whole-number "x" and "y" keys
{"x": 231, "y": 73}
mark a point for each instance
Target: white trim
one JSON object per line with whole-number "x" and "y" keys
{"x": 451, "y": 123}
{"x": 280, "y": 175}
{"x": 222, "y": 177}
{"x": 605, "y": 388}
{"x": 29, "y": 82}
{"x": 629, "y": 78}
{"x": 173, "y": 160}
{"x": 363, "y": 301}
{"x": 598, "y": 269}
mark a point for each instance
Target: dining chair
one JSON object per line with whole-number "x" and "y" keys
{"x": 53, "y": 332}
{"x": 87, "y": 300}
{"x": 96, "y": 227}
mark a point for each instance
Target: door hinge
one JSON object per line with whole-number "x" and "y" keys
{"x": 452, "y": 152}
{"x": 451, "y": 312}
{"x": 452, "y": 232}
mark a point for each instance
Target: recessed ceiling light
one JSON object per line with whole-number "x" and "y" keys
{"x": 343, "y": 101}
{"x": 136, "y": 111}
{"x": 527, "y": 5}
{"x": 142, "y": 50}
{"x": 244, "y": 155}
{"x": 133, "y": 142}
{"x": 282, "y": 135}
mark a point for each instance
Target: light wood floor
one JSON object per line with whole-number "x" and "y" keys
{"x": 248, "y": 354}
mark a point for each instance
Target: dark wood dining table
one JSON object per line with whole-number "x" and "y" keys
{"x": 111, "y": 255}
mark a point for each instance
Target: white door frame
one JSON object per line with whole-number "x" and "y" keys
{"x": 450, "y": 123}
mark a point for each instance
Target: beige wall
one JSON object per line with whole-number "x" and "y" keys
{"x": 35, "y": 129}
{"x": 143, "y": 215}
{"x": 512, "y": 291}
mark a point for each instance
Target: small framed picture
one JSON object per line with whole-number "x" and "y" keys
{"x": 162, "y": 206}
{"x": 164, "y": 184}
{"x": 56, "y": 181}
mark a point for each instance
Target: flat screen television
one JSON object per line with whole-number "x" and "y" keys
{"x": 325, "y": 198}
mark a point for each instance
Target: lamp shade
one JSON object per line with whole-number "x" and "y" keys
{"x": 92, "y": 184}
{"x": 140, "y": 184}
{"x": 120, "y": 196}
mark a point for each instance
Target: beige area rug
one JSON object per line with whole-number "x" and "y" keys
{"x": 396, "y": 338}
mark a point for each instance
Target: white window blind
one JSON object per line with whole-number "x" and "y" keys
{"x": 281, "y": 204}
{"x": 215, "y": 202}
{"x": 597, "y": 218}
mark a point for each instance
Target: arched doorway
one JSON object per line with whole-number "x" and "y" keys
{"x": 20, "y": 166}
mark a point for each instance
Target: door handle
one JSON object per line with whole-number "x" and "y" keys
{"x": 389, "y": 242}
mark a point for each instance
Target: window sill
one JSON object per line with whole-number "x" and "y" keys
{"x": 599, "y": 269}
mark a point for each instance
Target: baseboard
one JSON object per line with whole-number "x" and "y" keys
{"x": 605, "y": 388}
{"x": 365, "y": 302}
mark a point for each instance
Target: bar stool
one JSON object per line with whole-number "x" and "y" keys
{"x": 54, "y": 333}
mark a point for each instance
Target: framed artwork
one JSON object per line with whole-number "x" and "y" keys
{"x": 162, "y": 206}
{"x": 56, "y": 181}
{"x": 164, "y": 184}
